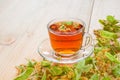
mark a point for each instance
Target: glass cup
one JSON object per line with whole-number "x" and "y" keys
{"x": 66, "y": 36}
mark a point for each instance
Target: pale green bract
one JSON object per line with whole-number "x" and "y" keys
{"x": 95, "y": 77}
{"x": 25, "y": 74}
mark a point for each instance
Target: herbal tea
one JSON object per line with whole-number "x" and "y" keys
{"x": 66, "y": 37}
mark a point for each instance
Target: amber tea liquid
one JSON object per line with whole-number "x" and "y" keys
{"x": 66, "y": 37}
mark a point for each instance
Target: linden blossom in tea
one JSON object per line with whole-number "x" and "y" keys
{"x": 66, "y": 37}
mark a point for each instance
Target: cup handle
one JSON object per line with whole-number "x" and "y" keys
{"x": 87, "y": 40}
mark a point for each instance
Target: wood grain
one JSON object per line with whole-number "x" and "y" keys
{"x": 26, "y": 21}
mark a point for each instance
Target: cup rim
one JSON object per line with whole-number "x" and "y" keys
{"x": 66, "y": 19}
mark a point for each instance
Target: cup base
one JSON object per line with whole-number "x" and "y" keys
{"x": 47, "y": 52}
{"x": 64, "y": 54}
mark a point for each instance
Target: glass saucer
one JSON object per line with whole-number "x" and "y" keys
{"x": 45, "y": 50}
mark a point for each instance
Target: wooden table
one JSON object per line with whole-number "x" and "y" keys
{"x": 23, "y": 25}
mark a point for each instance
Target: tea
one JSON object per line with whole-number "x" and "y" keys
{"x": 66, "y": 37}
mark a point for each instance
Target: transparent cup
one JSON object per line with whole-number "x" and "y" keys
{"x": 68, "y": 43}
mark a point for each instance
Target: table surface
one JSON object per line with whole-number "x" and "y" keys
{"x": 23, "y": 25}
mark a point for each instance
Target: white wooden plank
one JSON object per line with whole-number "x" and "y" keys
{"x": 27, "y": 20}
